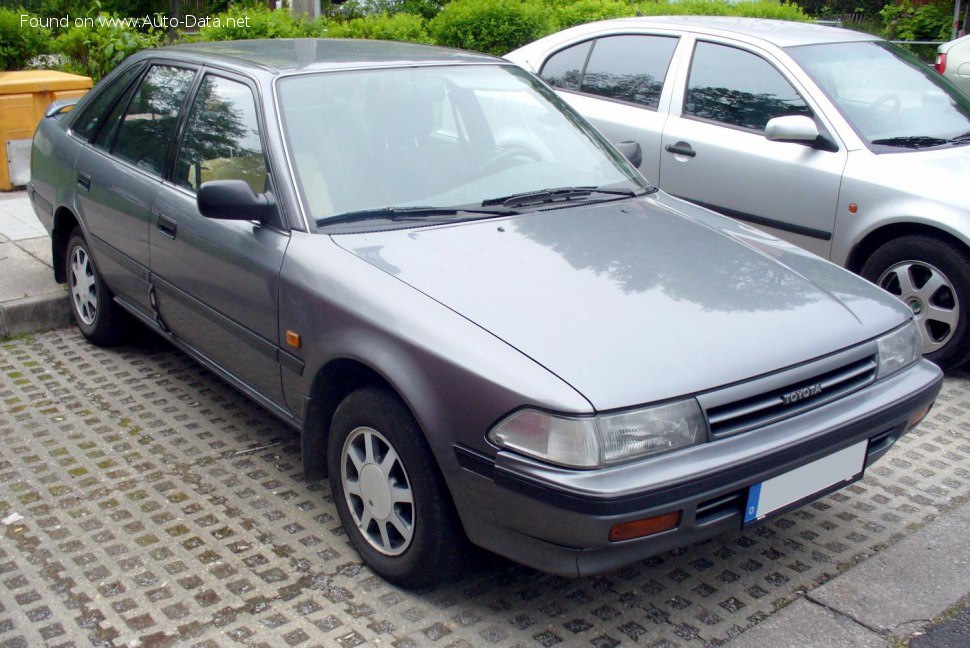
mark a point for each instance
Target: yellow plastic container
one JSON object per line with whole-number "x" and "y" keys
{"x": 24, "y": 96}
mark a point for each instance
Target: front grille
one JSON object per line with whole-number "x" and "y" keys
{"x": 770, "y": 406}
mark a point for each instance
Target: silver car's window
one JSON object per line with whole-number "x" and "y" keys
{"x": 221, "y": 140}
{"x": 564, "y": 69}
{"x": 92, "y": 117}
{"x": 737, "y": 88}
{"x": 436, "y": 137}
{"x": 148, "y": 125}
{"x": 629, "y": 68}
{"x": 892, "y": 100}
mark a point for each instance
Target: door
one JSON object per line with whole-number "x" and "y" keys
{"x": 119, "y": 172}
{"x": 617, "y": 83}
{"x": 217, "y": 281}
{"x": 714, "y": 151}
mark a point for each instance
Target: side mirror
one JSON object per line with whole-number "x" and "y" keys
{"x": 631, "y": 151}
{"x": 793, "y": 128}
{"x": 234, "y": 200}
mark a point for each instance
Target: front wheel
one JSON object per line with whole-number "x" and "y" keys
{"x": 101, "y": 320}
{"x": 932, "y": 277}
{"x": 388, "y": 490}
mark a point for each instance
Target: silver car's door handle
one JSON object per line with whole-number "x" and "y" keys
{"x": 167, "y": 226}
{"x": 681, "y": 148}
{"x": 84, "y": 181}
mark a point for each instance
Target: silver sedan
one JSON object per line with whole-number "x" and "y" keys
{"x": 832, "y": 139}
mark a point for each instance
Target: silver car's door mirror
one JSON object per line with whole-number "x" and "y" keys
{"x": 234, "y": 200}
{"x": 793, "y": 128}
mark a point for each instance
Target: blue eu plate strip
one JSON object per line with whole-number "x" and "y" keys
{"x": 751, "y": 510}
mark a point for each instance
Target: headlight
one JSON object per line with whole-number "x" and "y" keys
{"x": 899, "y": 349}
{"x": 596, "y": 441}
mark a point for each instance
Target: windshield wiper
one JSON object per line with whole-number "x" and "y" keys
{"x": 912, "y": 141}
{"x": 561, "y": 194}
{"x": 959, "y": 139}
{"x": 408, "y": 214}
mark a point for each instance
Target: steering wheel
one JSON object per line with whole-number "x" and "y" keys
{"x": 874, "y": 109}
{"x": 510, "y": 155}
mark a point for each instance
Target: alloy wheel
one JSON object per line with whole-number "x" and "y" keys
{"x": 378, "y": 491}
{"x": 930, "y": 295}
{"x": 84, "y": 290}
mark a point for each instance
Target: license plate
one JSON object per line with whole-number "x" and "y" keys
{"x": 825, "y": 474}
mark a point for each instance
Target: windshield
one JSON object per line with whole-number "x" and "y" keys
{"x": 891, "y": 99}
{"x": 436, "y": 138}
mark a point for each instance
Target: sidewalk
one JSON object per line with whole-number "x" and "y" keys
{"x": 30, "y": 300}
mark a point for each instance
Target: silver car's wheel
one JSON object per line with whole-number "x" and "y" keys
{"x": 389, "y": 492}
{"x": 930, "y": 295}
{"x": 84, "y": 289}
{"x": 378, "y": 491}
{"x": 92, "y": 303}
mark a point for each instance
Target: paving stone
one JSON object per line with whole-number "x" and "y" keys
{"x": 161, "y": 507}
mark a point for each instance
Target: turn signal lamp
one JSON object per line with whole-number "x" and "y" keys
{"x": 645, "y": 527}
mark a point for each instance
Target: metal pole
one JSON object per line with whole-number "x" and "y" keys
{"x": 956, "y": 20}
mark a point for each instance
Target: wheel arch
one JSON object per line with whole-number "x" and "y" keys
{"x": 64, "y": 223}
{"x": 882, "y": 235}
{"x": 331, "y": 384}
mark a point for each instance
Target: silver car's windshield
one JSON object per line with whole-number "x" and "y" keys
{"x": 415, "y": 142}
{"x": 893, "y": 100}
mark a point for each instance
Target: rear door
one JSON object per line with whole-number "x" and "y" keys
{"x": 119, "y": 172}
{"x": 617, "y": 83}
{"x": 714, "y": 151}
{"x": 217, "y": 281}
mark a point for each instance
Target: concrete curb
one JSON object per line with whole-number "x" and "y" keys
{"x": 887, "y": 597}
{"x": 35, "y": 314}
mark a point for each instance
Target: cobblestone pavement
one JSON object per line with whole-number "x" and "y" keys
{"x": 145, "y": 502}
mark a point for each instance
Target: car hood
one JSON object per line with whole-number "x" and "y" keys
{"x": 636, "y": 300}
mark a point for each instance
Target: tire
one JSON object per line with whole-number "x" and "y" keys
{"x": 932, "y": 276}
{"x": 391, "y": 498}
{"x": 97, "y": 315}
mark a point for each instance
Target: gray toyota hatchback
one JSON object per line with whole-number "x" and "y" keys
{"x": 483, "y": 321}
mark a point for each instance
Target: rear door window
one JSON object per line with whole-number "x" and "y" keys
{"x": 148, "y": 126}
{"x": 88, "y": 124}
{"x": 629, "y": 68}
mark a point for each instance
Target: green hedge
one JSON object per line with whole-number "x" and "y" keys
{"x": 754, "y": 9}
{"x": 261, "y": 23}
{"x": 19, "y": 44}
{"x": 393, "y": 27}
{"x": 95, "y": 51}
{"x": 492, "y": 26}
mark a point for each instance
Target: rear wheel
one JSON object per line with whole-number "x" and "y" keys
{"x": 932, "y": 277}
{"x": 389, "y": 492}
{"x": 101, "y": 320}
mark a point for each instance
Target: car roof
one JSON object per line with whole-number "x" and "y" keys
{"x": 783, "y": 33}
{"x": 281, "y": 55}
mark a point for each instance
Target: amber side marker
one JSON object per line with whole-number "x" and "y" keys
{"x": 853, "y": 208}
{"x": 293, "y": 339}
{"x": 918, "y": 417}
{"x": 645, "y": 527}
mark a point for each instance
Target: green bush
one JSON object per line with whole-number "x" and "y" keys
{"x": 393, "y": 27}
{"x": 19, "y": 44}
{"x": 244, "y": 22}
{"x": 95, "y": 51}
{"x": 569, "y": 13}
{"x": 492, "y": 26}
{"x": 904, "y": 21}
{"x": 754, "y": 9}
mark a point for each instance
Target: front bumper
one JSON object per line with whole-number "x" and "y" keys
{"x": 558, "y": 520}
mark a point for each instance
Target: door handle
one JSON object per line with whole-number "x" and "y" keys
{"x": 167, "y": 226}
{"x": 681, "y": 148}
{"x": 84, "y": 181}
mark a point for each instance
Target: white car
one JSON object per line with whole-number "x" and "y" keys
{"x": 832, "y": 139}
{"x": 953, "y": 62}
